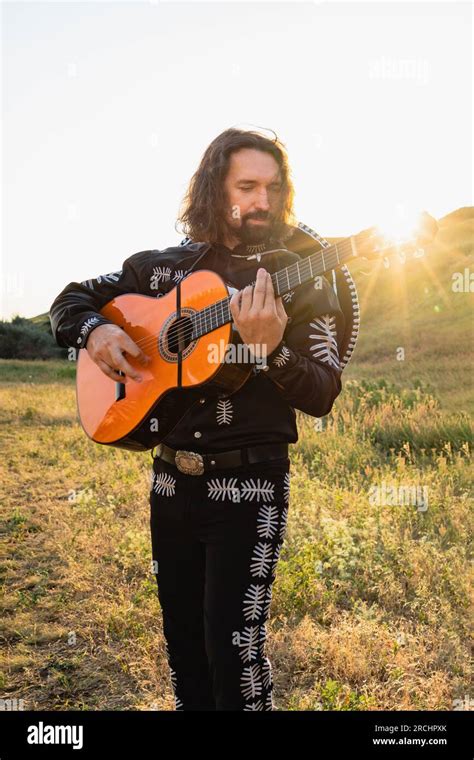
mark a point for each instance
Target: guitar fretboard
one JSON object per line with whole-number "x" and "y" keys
{"x": 314, "y": 265}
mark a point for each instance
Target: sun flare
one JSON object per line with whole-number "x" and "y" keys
{"x": 399, "y": 225}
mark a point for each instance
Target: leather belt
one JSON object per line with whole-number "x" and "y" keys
{"x": 192, "y": 463}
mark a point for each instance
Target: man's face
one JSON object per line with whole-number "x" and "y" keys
{"x": 253, "y": 189}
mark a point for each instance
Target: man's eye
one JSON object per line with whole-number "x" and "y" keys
{"x": 273, "y": 187}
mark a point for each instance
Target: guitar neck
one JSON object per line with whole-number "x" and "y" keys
{"x": 289, "y": 278}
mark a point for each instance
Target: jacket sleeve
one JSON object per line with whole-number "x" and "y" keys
{"x": 305, "y": 365}
{"x": 75, "y": 311}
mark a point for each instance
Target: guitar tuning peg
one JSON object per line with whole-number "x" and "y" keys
{"x": 386, "y": 262}
{"x": 419, "y": 253}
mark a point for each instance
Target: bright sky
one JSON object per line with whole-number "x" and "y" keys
{"x": 107, "y": 108}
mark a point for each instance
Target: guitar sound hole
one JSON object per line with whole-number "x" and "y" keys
{"x": 179, "y": 335}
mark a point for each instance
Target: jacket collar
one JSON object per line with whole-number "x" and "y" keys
{"x": 247, "y": 251}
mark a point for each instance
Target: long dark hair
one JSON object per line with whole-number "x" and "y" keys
{"x": 202, "y": 210}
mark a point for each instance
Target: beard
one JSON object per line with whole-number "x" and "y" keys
{"x": 252, "y": 233}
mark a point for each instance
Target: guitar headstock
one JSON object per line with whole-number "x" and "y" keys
{"x": 374, "y": 243}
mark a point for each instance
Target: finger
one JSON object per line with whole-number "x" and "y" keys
{"x": 128, "y": 345}
{"x": 269, "y": 294}
{"x": 246, "y": 301}
{"x": 110, "y": 372}
{"x": 118, "y": 361}
{"x": 280, "y": 309}
{"x": 259, "y": 290}
{"x": 234, "y": 304}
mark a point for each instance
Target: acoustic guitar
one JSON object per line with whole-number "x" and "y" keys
{"x": 178, "y": 331}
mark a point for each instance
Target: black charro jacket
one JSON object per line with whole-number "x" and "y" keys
{"x": 303, "y": 371}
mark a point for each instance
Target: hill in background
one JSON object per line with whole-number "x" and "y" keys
{"x": 414, "y": 307}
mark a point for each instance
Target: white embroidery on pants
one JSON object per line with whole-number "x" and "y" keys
{"x": 253, "y": 602}
{"x": 165, "y": 483}
{"x": 267, "y": 672}
{"x": 256, "y": 680}
{"x": 284, "y": 517}
{"x": 174, "y": 683}
{"x": 261, "y": 559}
{"x": 268, "y": 601}
{"x": 250, "y": 489}
{"x": 253, "y": 706}
{"x": 251, "y": 682}
{"x": 267, "y": 521}
{"x": 247, "y": 641}
{"x": 220, "y": 489}
{"x": 286, "y": 487}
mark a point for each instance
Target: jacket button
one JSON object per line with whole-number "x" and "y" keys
{"x": 197, "y": 434}
{"x": 202, "y": 400}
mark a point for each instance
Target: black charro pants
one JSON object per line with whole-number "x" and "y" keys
{"x": 216, "y": 541}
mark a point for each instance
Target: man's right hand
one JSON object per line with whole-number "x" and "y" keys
{"x": 106, "y": 345}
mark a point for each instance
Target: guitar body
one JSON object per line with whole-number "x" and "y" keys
{"x": 137, "y": 416}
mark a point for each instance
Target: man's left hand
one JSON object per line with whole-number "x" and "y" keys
{"x": 259, "y": 317}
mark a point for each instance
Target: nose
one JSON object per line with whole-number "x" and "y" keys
{"x": 262, "y": 204}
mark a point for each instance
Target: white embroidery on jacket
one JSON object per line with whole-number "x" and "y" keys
{"x": 87, "y": 326}
{"x": 325, "y": 347}
{"x": 282, "y": 357}
{"x": 224, "y": 411}
{"x": 160, "y": 274}
{"x": 110, "y": 277}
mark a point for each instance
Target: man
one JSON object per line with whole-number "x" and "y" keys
{"x": 216, "y": 537}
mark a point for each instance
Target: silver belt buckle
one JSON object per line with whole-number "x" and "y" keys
{"x": 189, "y": 462}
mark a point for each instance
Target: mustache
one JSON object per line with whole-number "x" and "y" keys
{"x": 262, "y": 217}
